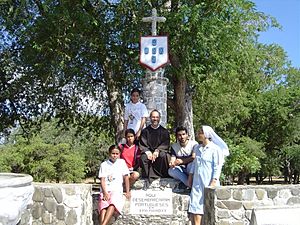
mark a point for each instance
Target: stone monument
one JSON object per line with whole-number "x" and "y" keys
{"x": 154, "y": 83}
{"x": 16, "y": 192}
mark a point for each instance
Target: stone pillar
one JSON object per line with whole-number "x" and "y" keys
{"x": 154, "y": 82}
{"x": 155, "y": 93}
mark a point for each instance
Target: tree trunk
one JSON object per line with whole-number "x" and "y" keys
{"x": 183, "y": 105}
{"x": 296, "y": 177}
{"x": 115, "y": 98}
{"x": 241, "y": 178}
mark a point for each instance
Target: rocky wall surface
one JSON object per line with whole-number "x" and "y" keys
{"x": 72, "y": 204}
{"x": 60, "y": 204}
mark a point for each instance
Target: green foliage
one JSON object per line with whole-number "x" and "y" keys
{"x": 63, "y": 59}
{"x": 291, "y": 149}
{"x": 38, "y": 160}
{"x": 90, "y": 144}
{"x": 45, "y": 162}
{"x": 69, "y": 167}
{"x": 293, "y": 154}
{"x": 9, "y": 159}
{"x": 271, "y": 166}
{"x": 245, "y": 156}
{"x": 55, "y": 154}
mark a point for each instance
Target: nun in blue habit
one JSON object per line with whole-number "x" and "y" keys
{"x": 206, "y": 169}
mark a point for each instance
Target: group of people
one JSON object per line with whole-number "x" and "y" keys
{"x": 148, "y": 149}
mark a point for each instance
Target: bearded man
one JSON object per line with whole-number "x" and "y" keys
{"x": 154, "y": 145}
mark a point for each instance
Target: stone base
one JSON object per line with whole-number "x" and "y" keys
{"x": 161, "y": 184}
{"x": 60, "y": 204}
{"x": 180, "y": 200}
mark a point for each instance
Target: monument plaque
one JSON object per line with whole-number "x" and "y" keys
{"x": 151, "y": 202}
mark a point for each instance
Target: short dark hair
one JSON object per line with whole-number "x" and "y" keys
{"x": 129, "y": 131}
{"x": 112, "y": 147}
{"x": 181, "y": 128}
{"x": 155, "y": 110}
{"x": 135, "y": 90}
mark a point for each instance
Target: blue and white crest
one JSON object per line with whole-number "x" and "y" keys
{"x": 154, "y": 52}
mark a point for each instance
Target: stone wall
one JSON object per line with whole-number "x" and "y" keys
{"x": 233, "y": 205}
{"x": 61, "y": 204}
{"x": 70, "y": 204}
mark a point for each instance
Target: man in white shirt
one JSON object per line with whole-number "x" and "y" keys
{"x": 182, "y": 155}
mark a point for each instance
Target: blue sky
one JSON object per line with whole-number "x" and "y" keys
{"x": 287, "y": 13}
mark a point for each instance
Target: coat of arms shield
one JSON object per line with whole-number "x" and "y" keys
{"x": 154, "y": 52}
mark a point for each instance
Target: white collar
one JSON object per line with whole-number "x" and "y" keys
{"x": 155, "y": 127}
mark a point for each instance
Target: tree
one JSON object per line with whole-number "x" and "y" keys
{"x": 291, "y": 150}
{"x": 44, "y": 162}
{"x": 59, "y": 55}
{"x": 65, "y": 68}
{"x": 244, "y": 158}
{"x": 91, "y": 50}
{"x": 91, "y": 145}
{"x": 54, "y": 153}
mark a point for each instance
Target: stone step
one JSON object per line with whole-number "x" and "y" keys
{"x": 161, "y": 184}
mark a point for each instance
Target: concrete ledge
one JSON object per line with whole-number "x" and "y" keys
{"x": 236, "y": 204}
{"x": 276, "y": 215}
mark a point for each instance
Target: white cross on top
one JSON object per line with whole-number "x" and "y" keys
{"x": 154, "y": 19}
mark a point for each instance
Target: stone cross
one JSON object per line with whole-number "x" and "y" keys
{"x": 155, "y": 84}
{"x": 154, "y": 19}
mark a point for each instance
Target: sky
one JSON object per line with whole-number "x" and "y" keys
{"x": 287, "y": 13}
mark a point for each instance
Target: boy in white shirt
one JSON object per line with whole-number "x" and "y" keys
{"x": 135, "y": 113}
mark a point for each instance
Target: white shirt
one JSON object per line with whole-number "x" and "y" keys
{"x": 134, "y": 114}
{"x": 179, "y": 151}
{"x": 113, "y": 173}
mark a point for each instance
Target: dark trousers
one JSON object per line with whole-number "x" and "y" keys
{"x": 158, "y": 168}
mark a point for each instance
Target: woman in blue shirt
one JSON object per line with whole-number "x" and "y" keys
{"x": 206, "y": 169}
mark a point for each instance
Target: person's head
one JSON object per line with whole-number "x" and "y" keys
{"x": 155, "y": 118}
{"x": 200, "y": 135}
{"x": 181, "y": 134}
{"x": 130, "y": 136}
{"x": 135, "y": 95}
{"x": 207, "y": 133}
{"x": 114, "y": 152}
